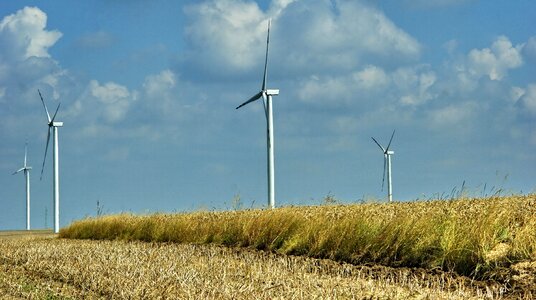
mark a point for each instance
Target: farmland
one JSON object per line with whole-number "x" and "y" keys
{"x": 460, "y": 249}
{"x": 81, "y": 269}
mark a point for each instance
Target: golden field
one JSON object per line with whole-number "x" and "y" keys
{"x": 473, "y": 237}
{"x": 52, "y": 268}
{"x": 458, "y": 249}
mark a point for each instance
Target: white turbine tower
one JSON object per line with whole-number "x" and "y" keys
{"x": 387, "y": 166}
{"x": 266, "y": 95}
{"x": 26, "y": 169}
{"x": 53, "y": 125}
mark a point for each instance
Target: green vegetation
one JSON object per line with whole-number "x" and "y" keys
{"x": 475, "y": 237}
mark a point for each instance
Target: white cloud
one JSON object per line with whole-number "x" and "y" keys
{"x": 335, "y": 90}
{"x": 156, "y": 85}
{"x": 338, "y": 36}
{"x": 25, "y": 63}
{"x": 528, "y": 99}
{"x": 114, "y": 99}
{"x": 162, "y": 95}
{"x": 23, "y": 35}
{"x": 325, "y": 90}
{"x": 371, "y": 77}
{"x": 413, "y": 84}
{"x": 453, "y": 116}
{"x": 495, "y": 61}
{"x": 410, "y": 85}
{"x": 306, "y": 35}
{"x": 516, "y": 93}
{"x": 109, "y": 102}
{"x": 226, "y": 31}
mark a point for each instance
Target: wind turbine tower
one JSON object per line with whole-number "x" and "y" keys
{"x": 387, "y": 166}
{"x": 266, "y": 95}
{"x": 26, "y": 169}
{"x": 53, "y": 125}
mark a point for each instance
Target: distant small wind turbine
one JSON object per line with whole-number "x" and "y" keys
{"x": 266, "y": 95}
{"x": 26, "y": 169}
{"x": 56, "y": 184}
{"x": 387, "y": 166}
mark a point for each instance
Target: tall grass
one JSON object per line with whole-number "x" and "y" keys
{"x": 473, "y": 237}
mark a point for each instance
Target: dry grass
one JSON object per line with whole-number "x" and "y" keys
{"x": 42, "y": 268}
{"x": 480, "y": 238}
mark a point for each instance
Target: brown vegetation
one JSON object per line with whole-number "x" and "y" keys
{"x": 480, "y": 238}
{"x": 53, "y": 268}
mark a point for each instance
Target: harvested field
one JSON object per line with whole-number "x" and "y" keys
{"x": 51, "y": 268}
{"x": 21, "y": 234}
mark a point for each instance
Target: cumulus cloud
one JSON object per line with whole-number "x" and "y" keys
{"x": 336, "y": 90}
{"x": 527, "y": 100}
{"x": 307, "y": 36}
{"x": 495, "y": 61}
{"x": 25, "y": 63}
{"x": 156, "y": 85}
{"x": 115, "y": 99}
{"x": 160, "y": 93}
{"x": 371, "y": 77}
{"x": 414, "y": 85}
{"x": 109, "y": 102}
{"x": 226, "y": 31}
{"x": 411, "y": 85}
{"x": 23, "y": 35}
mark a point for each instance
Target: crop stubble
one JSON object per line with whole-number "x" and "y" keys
{"x": 47, "y": 268}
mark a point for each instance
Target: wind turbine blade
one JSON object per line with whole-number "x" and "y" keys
{"x": 256, "y": 97}
{"x": 43, "y": 101}
{"x": 392, "y": 135}
{"x": 54, "y": 117}
{"x": 19, "y": 170}
{"x": 266, "y": 58}
{"x": 45, "y": 157}
{"x": 265, "y": 105}
{"x": 25, "y": 153}
{"x": 383, "y": 150}
{"x": 384, "y": 170}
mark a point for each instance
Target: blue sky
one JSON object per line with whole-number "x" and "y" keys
{"x": 149, "y": 89}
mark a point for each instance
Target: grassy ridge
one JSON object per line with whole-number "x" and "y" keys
{"x": 474, "y": 237}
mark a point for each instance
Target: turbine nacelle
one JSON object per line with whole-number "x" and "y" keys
{"x": 390, "y": 152}
{"x": 56, "y": 124}
{"x": 273, "y": 92}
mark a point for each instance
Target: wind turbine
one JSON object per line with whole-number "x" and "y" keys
{"x": 387, "y": 166}
{"x": 266, "y": 95}
{"x": 26, "y": 169}
{"x": 53, "y": 125}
